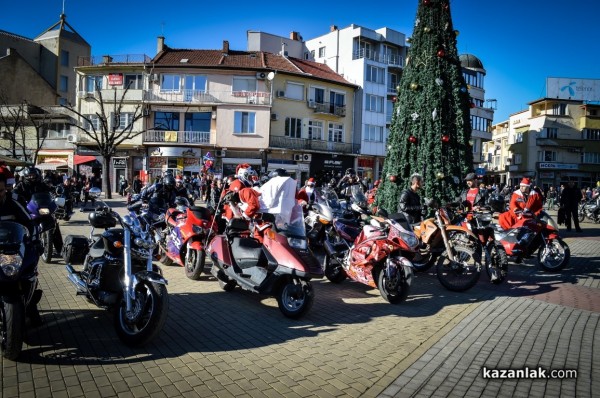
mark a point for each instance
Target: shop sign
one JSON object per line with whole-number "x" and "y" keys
{"x": 119, "y": 163}
{"x": 115, "y": 79}
{"x": 157, "y": 162}
{"x": 547, "y": 174}
{"x": 563, "y": 166}
{"x": 366, "y": 162}
{"x": 175, "y": 152}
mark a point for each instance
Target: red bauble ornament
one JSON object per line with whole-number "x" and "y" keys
{"x": 412, "y": 139}
{"x": 441, "y": 53}
{"x": 392, "y": 178}
{"x": 427, "y": 2}
{"x": 446, "y": 6}
{"x": 394, "y": 99}
{"x": 472, "y": 105}
{"x": 445, "y": 138}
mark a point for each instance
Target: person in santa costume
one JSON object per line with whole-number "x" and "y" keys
{"x": 523, "y": 201}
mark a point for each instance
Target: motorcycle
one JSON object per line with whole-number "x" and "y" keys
{"x": 41, "y": 208}
{"x": 532, "y": 233}
{"x": 118, "y": 274}
{"x": 588, "y": 209}
{"x": 348, "y": 223}
{"x": 281, "y": 266}
{"x": 188, "y": 230}
{"x": 64, "y": 206}
{"x": 319, "y": 216}
{"x": 379, "y": 257}
{"x": 18, "y": 286}
{"x": 457, "y": 250}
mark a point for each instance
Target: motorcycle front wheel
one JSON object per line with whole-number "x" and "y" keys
{"x": 581, "y": 214}
{"x": 194, "y": 264}
{"x": 463, "y": 273}
{"x": 496, "y": 264}
{"x": 12, "y": 318}
{"x": 48, "y": 245}
{"x": 555, "y": 256}
{"x": 147, "y": 317}
{"x": 395, "y": 290}
{"x": 295, "y": 298}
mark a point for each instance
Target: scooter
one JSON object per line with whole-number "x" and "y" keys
{"x": 281, "y": 266}
{"x": 18, "y": 286}
{"x": 188, "y": 230}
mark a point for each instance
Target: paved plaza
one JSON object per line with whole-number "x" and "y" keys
{"x": 351, "y": 343}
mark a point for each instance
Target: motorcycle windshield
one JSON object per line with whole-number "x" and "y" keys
{"x": 358, "y": 196}
{"x": 295, "y": 227}
{"x": 157, "y": 204}
{"x": 42, "y": 199}
{"x": 11, "y": 235}
{"x": 545, "y": 217}
{"x": 330, "y": 198}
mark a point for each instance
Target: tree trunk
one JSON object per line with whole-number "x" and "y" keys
{"x": 106, "y": 187}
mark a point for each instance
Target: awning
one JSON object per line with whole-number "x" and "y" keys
{"x": 13, "y": 162}
{"x": 52, "y": 165}
{"x": 80, "y": 159}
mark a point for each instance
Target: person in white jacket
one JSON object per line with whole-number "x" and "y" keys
{"x": 278, "y": 195}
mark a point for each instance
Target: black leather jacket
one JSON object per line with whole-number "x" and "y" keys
{"x": 410, "y": 205}
{"x": 25, "y": 190}
{"x": 480, "y": 199}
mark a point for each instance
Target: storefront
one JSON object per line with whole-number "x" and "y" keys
{"x": 49, "y": 160}
{"x": 323, "y": 167}
{"x": 299, "y": 171}
{"x": 178, "y": 160}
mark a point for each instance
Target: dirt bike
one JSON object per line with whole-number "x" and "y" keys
{"x": 379, "y": 257}
{"x": 457, "y": 250}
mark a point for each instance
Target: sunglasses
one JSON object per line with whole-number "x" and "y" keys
{"x": 310, "y": 185}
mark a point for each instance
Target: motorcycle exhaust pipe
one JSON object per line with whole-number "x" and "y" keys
{"x": 75, "y": 279}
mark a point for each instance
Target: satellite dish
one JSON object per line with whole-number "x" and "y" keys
{"x": 271, "y": 76}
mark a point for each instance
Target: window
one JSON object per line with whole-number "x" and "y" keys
{"x": 590, "y": 158}
{"x": 123, "y": 122}
{"x": 293, "y": 127}
{"x": 481, "y": 124}
{"x": 170, "y": 83}
{"x": 168, "y": 121}
{"x": 549, "y": 132}
{"x": 375, "y": 74}
{"x": 55, "y": 130}
{"x": 389, "y": 111}
{"x": 64, "y": 58}
{"x": 195, "y": 82}
{"x": 134, "y": 82}
{"x": 591, "y": 134}
{"x": 337, "y": 99}
{"x": 244, "y": 84}
{"x": 321, "y": 52}
{"x": 294, "y": 91}
{"x": 64, "y": 83}
{"x": 93, "y": 83}
{"x": 517, "y": 158}
{"x": 197, "y": 121}
{"x": 244, "y": 123}
{"x": 317, "y": 95}
{"x": 559, "y": 109}
{"x": 373, "y": 133}
{"x": 473, "y": 78}
{"x": 312, "y": 54}
{"x": 518, "y": 137}
{"x": 336, "y": 132}
{"x": 393, "y": 82}
{"x": 546, "y": 156}
{"x": 315, "y": 130}
{"x": 95, "y": 123}
{"x": 374, "y": 103}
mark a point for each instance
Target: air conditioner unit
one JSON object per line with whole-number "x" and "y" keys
{"x": 154, "y": 77}
{"x": 298, "y": 157}
{"x": 312, "y": 104}
{"x": 274, "y": 116}
{"x": 261, "y": 75}
{"x": 220, "y": 153}
{"x": 307, "y": 157}
{"x": 72, "y": 138}
{"x": 251, "y": 100}
{"x": 281, "y": 93}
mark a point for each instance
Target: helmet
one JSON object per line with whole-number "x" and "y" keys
{"x": 169, "y": 181}
{"x": 278, "y": 173}
{"x": 181, "y": 203}
{"x": 332, "y": 183}
{"x": 350, "y": 172}
{"x": 31, "y": 174}
{"x": 245, "y": 174}
{"x": 264, "y": 178}
{"x": 186, "y": 179}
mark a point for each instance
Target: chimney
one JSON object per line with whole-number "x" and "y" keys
{"x": 160, "y": 44}
{"x": 225, "y": 47}
{"x": 294, "y": 36}
{"x": 333, "y": 28}
{"x": 106, "y": 59}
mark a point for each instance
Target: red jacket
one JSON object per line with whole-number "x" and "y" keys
{"x": 518, "y": 203}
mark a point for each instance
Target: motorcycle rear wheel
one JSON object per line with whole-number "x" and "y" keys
{"x": 497, "y": 264}
{"x": 149, "y": 313}
{"x": 554, "y": 257}
{"x": 424, "y": 260}
{"x": 12, "y": 318}
{"x": 334, "y": 272}
{"x": 395, "y": 291}
{"x": 295, "y": 298}
{"x": 462, "y": 274}
{"x": 581, "y": 215}
{"x": 194, "y": 265}
{"x": 48, "y": 245}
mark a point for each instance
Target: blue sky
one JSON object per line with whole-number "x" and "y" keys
{"x": 520, "y": 43}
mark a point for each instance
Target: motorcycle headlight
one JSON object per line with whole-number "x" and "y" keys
{"x": 44, "y": 211}
{"x": 139, "y": 242}
{"x": 10, "y": 264}
{"x": 410, "y": 239}
{"x": 297, "y": 243}
{"x": 324, "y": 220}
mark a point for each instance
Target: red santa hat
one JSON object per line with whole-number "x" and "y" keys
{"x": 7, "y": 174}
{"x": 525, "y": 181}
{"x": 242, "y": 166}
{"x": 311, "y": 180}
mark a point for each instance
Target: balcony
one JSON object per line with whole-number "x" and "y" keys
{"x": 328, "y": 108}
{"x": 109, "y": 95}
{"x": 388, "y": 59}
{"x": 125, "y": 59}
{"x": 177, "y": 137}
{"x": 315, "y": 145}
{"x": 208, "y": 97}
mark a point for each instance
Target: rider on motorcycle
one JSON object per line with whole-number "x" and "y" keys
{"x": 245, "y": 177}
{"x": 30, "y": 183}
{"x": 350, "y": 178}
{"x": 164, "y": 189}
{"x": 65, "y": 191}
{"x": 306, "y": 195}
{"x": 524, "y": 200}
{"x": 473, "y": 196}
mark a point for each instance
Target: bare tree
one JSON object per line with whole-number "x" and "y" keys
{"x": 106, "y": 130}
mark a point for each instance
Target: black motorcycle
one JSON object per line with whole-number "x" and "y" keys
{"x": 42, "y": 209}
{"x": 18, "y": 286}
{"x": 118, "y": 274}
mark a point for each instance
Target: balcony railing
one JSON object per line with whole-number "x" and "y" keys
{"x": 125, "y": 59}
{"x": 209, "y": 97}
{"x": 181, "y": 137}
{"x": 388, "y": 59}
{"x": 328, "y": 108}
{"x": 315, "y": 145}
{"x": 108, "y": 95}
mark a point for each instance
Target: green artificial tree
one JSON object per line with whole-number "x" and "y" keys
{"x": 431, "y": 131}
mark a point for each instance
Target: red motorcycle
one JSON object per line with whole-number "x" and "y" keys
{"x": 281, "y": 266}
{"x": 533, "y": 233}
{"x": 380, "y": 257}
{"x": 188, "y": 228}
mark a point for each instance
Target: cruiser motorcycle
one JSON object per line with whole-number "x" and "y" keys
{"x": 41, "y": 208}
{"x": 118, "y": 275}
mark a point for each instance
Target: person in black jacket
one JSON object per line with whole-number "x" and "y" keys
{"x": 30, "y": 183}
{"x": 410, "y": 201}
{"x": 569, "y": 200}
{"x": 473, "y": 196}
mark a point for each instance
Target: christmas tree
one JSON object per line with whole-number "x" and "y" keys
{"x": 431, "y": 129}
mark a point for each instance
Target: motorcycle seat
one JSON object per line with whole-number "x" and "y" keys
{"x": 349, "y": 222}
{"x": 247, "y": 252}
{"x": 97, "y": 249}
